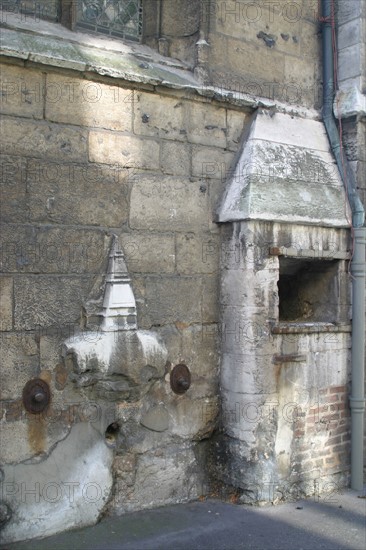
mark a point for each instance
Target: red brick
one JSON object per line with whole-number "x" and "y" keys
{"x": 332, "y": 415}
{"x": 338, "y": 433}
{"x": 333, "y": 441}
{"x": 310, "y": 430}
{"x": 340, "y": 449}
{"x": 337, "y": 389}
{"x": 317, "y": 454}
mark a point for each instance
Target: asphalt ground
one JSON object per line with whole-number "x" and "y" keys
{"x": 338, "y": 523}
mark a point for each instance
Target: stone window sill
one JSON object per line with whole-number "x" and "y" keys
{"x": 52, "y": 44}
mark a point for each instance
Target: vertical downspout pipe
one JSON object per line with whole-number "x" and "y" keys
{"x": 357, "y": 399}
{"x": 358, "y": 270}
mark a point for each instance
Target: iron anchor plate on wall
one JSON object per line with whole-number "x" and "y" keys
{"x": 36, "y": 395}
{"x": 180, "y": 378}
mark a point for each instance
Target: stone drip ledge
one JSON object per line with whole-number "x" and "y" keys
{"x": 309, "y": 253}
{"x": 350, "y": 102}
{"x": 53, "y": 45}
{"x": 309, "y": 328}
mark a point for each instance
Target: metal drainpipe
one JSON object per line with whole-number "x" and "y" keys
{"x": 357, "y": 399}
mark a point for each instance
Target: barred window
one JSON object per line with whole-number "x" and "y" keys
{"x": 115, "y": 17}
{"x": 119, "y": 18}
{"x": 37, "y": 9}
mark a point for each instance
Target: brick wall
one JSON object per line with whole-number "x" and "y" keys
{"x": 322, "y": 433}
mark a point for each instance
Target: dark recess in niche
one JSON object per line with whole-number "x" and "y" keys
{"x": 308, "y": 290}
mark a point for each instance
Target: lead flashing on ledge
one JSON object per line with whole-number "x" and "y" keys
{"x": 55, "y": 46}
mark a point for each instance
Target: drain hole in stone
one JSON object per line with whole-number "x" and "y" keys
{"x": 111, "y": 434}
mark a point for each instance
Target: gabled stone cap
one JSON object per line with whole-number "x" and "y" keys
{"x": 285, "y": 172}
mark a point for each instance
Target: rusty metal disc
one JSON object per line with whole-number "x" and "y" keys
{"x": 180, "y": 378}
{"x": 36, "y": 395}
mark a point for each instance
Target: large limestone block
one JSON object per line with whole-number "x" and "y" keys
{"x": 42, "y": 140}
{"x": 164, "y": 303}
{"x": 168, "y": 204}
{"x": 88, "y": 103}
{"x": 87, "y": 194}
{"x": 27, "y": 249}
{"x": 206, "y": 125}
{"x": 19, "y": 363}
{"x": 6, "y": 303}
{"x": 149, "y": 253}
{"x": 211, "y": 162}
{"x": 175, "y": 158}
{"x": 68, "y": 489}
{"x": 22, "y": 92}
{"x": 13, "y": 197}
{"x": 126, "y": 151}
{"x": 48, "y": 301}
{"x": 197, "y": 253}
{"x": 159, "y": 116}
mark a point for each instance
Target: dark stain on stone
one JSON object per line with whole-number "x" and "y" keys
{"x": 61, "y": 375}
{"x": 37, "y": 433}
{"x": 269, "y": 39}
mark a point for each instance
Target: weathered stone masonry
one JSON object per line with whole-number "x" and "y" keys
{"x": 76, "y": 171}
{"x": 227, "y": 221}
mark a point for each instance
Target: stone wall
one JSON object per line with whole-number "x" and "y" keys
{"x": 264, "y": 48}
{"x": 173, "y": 28}
{"x": 351, "y": 16}
{"x": 101, "y": 140}
{"x": 268, "y": 49}
{"x": 83, "y": 159}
